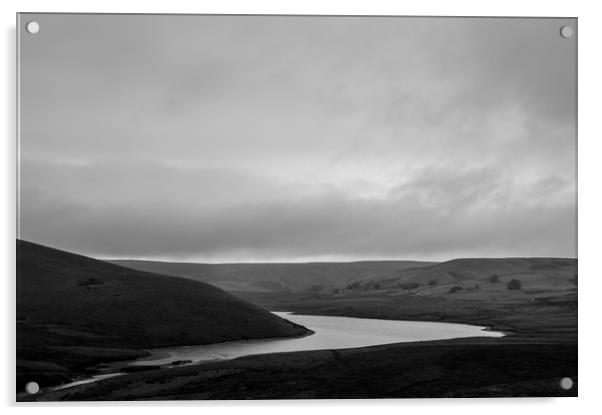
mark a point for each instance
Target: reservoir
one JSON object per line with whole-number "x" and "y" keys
{"x": 330, "y": 332}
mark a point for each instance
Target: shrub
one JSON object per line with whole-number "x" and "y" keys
{"x": 455, "y": 289}
{"x": 353, "y": 286}
{"x": 514, "y": 284}
{"x": 574, "y": 280}
{"x": 315, "y": 288}
{"x": 376, "y": 286}
{"x": 433, "y": 282}
{"x": 408, "y": 285}
{"x": 494, "y": 278}
{"x": 90, "y": 281}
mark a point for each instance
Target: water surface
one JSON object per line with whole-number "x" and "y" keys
{"x": 330, "y": 333}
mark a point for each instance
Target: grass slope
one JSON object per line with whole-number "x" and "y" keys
{"x": 73, "y": 311}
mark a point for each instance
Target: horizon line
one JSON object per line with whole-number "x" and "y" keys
{"x": 291, "y": 261}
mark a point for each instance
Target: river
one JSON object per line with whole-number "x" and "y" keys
{"x": 330, "y": 332}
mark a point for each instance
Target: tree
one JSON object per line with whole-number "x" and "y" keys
{"x": 455, "y": 289}
{"x": 433, "y": 282}
{"x": 494, "y": 278}
{"x": 514, "y": 284}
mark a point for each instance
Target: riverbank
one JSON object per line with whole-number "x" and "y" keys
{"x": 331, "y": 332}
{"x": 525, "y": 317}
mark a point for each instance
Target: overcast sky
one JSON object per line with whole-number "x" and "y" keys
{"x": 226, "y": 139}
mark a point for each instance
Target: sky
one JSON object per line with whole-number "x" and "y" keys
{"x": 272, "y": 138}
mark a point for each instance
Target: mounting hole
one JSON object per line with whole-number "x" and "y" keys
{"x": 32, "y": 388}
{"x": 566, "y": 383}
{"x": 566, "y": 32}
{"x": 32, "y": 27}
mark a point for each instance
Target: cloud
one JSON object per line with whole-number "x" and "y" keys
{"x": 227, "y": 138}
{"x": 430, "y": 215}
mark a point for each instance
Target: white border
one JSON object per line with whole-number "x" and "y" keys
{"x": 590, "y": 206}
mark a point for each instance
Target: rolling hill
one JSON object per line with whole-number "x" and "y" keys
{"x": 260, "y": 281}
{"x": 533, "y": 273}
{"x": 73, "y": 311}
{"x": 273, "y": 277}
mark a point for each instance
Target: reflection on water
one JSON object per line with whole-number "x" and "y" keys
{"x": 330, "y": 333}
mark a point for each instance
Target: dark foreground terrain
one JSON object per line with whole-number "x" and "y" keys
{"x": 461, "y": 368}
{"x": 539, "y": 350}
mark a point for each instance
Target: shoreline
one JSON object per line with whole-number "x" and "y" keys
{"x": 159, "y": 354}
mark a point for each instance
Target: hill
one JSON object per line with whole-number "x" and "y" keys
{"x": 484, "y": 273}
{"x": 273, "y": 277}
{"x": 73, "y": 311}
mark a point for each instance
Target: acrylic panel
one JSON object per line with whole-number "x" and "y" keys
{"x": 295, "y": 207}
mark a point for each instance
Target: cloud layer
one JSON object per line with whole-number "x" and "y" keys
{"x": 297, "y": 138}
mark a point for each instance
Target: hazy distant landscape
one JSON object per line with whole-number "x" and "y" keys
{"x": 426, "y": 278}
{"x": 270, "y": 277}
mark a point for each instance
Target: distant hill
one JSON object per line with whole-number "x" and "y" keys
{"x": 544, "y": 273}
{"x": 72, "y": 310}
{"x": 271, "y": 277}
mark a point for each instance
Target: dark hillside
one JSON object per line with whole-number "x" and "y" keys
{"x": 74, "y": 310}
